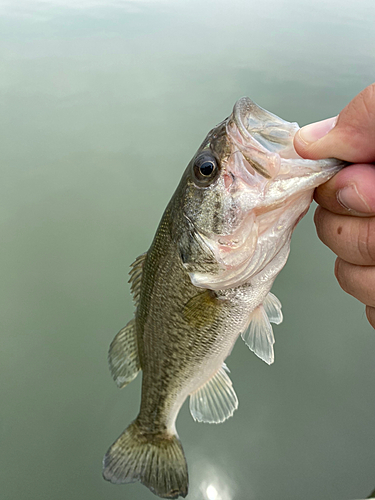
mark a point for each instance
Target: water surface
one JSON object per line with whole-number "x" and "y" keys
{"x": 103, "y": 104}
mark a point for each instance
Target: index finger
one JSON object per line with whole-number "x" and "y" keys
{"x": 350, "y": 192}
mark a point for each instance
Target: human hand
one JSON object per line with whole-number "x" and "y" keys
{"x": 345, "y": 219}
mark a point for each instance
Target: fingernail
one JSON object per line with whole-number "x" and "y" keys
{"x": 351, "y": 200}
{"x": 315, "y": 131}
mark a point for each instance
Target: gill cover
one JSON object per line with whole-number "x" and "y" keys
{"x": 261, "y": 192}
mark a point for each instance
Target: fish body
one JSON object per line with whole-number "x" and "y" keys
{"x": 206, "y": 279}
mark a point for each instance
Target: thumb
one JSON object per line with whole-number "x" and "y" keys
{"x": 350, "y": 136}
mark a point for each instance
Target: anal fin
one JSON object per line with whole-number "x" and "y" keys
{"x": 259, "y": 335}
{"x": 123, "y": 355}
{"x": 216, "y": 400}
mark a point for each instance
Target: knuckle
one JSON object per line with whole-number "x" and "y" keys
{"x": 318, "y": 221}
{"x": 324, "y": 222}
{"x": 357, "y": 281}
{"x": 361, "y": 108}
{"x": 368, "y": 100}
{"x": 317, "y": 215}
{"x": 370, "y": 313}
{"x": 366, "y": 240}
{"x": 357, "y": 124}
{"x": 343, "y": 273}
{"x": 339, "y": 274}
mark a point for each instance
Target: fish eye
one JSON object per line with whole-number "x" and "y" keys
{"x": 205, "y": 169}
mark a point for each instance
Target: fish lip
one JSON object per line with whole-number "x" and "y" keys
{"x": 268, "y": 130}
{"x": 255, "y": 133}
{"x": 244, "y": 103}
{"x": 266, "y": 143}
{"x": 243, "y": 110}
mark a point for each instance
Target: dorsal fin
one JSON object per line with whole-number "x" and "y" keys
{"x": 259, "y": 335}
{"x": 216, "y": 400}
{"x": 136, "y": 276}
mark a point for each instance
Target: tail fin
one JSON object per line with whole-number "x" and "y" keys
{"x": 157, "y": 461}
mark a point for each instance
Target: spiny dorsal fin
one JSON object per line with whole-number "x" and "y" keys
{"x": 259, "y": 335}
{"x": 216, "y": 400}
{"x": 136, "y": 276}
{"x": 123, "y": 355}
{"x": 272, "y": 306}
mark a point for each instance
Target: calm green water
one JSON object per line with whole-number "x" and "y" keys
{"x": 102, "y": 105}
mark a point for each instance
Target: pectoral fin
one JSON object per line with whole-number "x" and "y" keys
{"x": 123, "y": 355}
{"x": 272, "y": 306}
{"x": 259, "y": 335}
{"x": 202, "y": 309}
{"x": 216, "y": 400}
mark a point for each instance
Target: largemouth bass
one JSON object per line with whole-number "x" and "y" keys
{"x": 206, "y": 279}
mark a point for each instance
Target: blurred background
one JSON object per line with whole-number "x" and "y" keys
{"x": 103, "y": 103}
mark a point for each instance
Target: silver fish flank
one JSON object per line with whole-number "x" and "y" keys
{"x": 206, "y": 279}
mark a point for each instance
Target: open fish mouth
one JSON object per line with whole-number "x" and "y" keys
{"x": 265, "y": 142}
{"x": 262, "y": 137}
{"x": 272, "y": 187}
{"x": 267, "y": 129}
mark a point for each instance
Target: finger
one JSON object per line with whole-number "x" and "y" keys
{"x": 358, "y": 281}
{"x": 370, "y": 313}
{"x": 350, "y": 238}
{"x": 350, "y": 138}
{"x": 350, "y": 192}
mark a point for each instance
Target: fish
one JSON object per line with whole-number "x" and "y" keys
{"x": 206, "y": 280}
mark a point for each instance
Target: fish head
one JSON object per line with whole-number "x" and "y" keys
{"x": 242, "y": 194}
